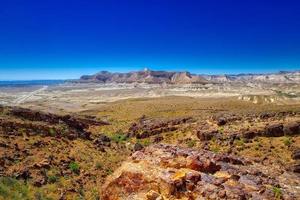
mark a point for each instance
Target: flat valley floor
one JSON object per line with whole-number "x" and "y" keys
{"x": 71, "y": 97}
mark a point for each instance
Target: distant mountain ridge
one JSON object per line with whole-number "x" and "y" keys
{"x": 145, "y": 76}
{"x": 280, "y": 77}
{"x": 159, "y": 77}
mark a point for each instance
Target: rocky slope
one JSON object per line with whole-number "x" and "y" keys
{"x": 50, "y": 156}
{"x": 235, "y": 156}
{"x": 214, "y": 149}
{"x": 169, "y": 172}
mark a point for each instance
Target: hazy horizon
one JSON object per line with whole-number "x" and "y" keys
{"x": 139, "y": 69}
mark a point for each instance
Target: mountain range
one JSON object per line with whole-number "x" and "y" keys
{"x": 159, "y": 77}
{"x": 280, "y": 77}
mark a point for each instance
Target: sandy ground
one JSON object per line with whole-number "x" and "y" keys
{"x": 80, "y": 97}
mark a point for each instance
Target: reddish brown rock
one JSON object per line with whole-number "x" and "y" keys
{"x": 296, "y": 168}
{"x": 266, "y": 115}
{"x": 296, "y": 154}
{"x": 275, "y": 130}
{"x": 127, "y": 183}
{"x": 202, "y": 164}
{"x": 19, "y": 121}
{"x": 251, "y": 134}
{"x": 74, "y": 122}
{"x": 221, "y": 121}
{"x": 152, "y": 195}
{"x": 102, "y": 141}
{"x": 292, "y": 128}
{"x": 145, "y": 128}
{"x": 137, "y": 147}
{"x": 205, "y": 135}
{"x": 169, "y": 172}
{"x": 158, "y": 139}
{"x": 40, "y": 180}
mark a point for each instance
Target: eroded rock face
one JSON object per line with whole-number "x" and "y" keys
{"x": 169, "y": 172}
{"x": 18, "y": 121}
{"x": 296, "y": 154}
{"x": 33, "y": 143}
{"x": 296, "y": 168}
{"x": 146, "y": 76}
{"x": 274, "y": 130}
{"x": 205, "y": 135}
{"x": 73, "y": 122}
{"x": 292, "y": 128}
{"x": 146, "y": 128}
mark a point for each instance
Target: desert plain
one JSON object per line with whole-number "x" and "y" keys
{"x": 226, "y": 140}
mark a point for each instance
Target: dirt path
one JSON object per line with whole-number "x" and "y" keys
{"x": 24, "y": 98}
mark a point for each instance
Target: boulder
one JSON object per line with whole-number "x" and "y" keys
{"x": 158, "y": 139}
{"x": 169, "y": 172}
{"x": 75, "y": 124}
{"x": 145, "y": 128}
{"x": 39, "y": 180}
{"x": 152, "y": 195}
{"x": 202, "y": 165}
{"x": 205, "y": 135}
{"x": 296, "y": 154}
{"x": 292, "y": 128}
{"x": 296, "y": 168}
{"x": 266, "y": 115}
{"x": 274, "y": 130}
{"x": 249, "y": 134}
{"x": 137, "y": 147}
{"x": 102, "y": 140}
{"x": 221, "y": 121}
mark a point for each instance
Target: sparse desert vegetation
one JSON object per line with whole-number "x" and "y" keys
{"x": 52, "y": 151}
{"x": 67, "y": 155}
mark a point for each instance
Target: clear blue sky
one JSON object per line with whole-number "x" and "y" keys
{"x": 57, "y": 39}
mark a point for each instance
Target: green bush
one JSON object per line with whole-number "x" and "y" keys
{"x": 13, "y": 189}
{"x": 287, "y": 141}
{"x": 221, "y": 130}
{"x": 146, "y": 142}
{"x": 191, "y": 143}
{"x": 40, "y": 196}
{"x": 240, "y": 142}
{"x": 74, "y": 167}
{"x": 52, "y": 132}
{"x": 215, "y": 149}
{"x": 52, "y": 179}
{"x": 117, "y": 137}
{"x": 109, "y": 171}
{"x": 277, "y": 192}
{"x": 98, "y": 165}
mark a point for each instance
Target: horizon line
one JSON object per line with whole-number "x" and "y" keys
{"x": 201, "y": 74}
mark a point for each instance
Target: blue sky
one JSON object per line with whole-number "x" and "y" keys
{"x": 55, "y": 39}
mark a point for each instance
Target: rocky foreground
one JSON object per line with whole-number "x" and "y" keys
{"x": 200, "y": 152}
{"x": 49, "y": 156}
{"x": 169, "y": 172}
